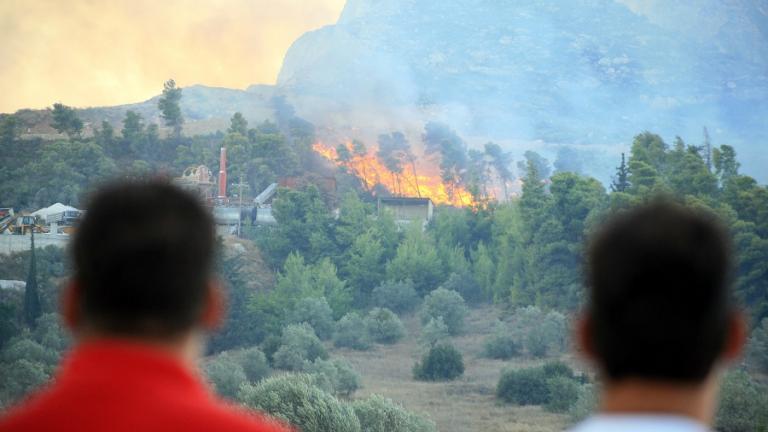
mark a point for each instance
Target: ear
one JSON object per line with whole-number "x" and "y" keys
{"x": 215, "y": 306}
{"x": 582, "y": 332}
{"x": 70, "y": 306}
{"x": 736, "y": 338}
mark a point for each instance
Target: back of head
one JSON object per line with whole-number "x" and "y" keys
{"x": 143, "y": 260}
{"x": 659, "y": 301}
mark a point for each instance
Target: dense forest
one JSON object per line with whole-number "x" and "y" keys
{"x": 348, "y": 278}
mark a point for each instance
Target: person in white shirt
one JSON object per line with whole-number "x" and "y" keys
{"x": 660, "y": 322}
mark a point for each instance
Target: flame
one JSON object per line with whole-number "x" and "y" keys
{"x": 417, "y": 179}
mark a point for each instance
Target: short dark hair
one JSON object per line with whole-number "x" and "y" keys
{"x": 659, "y": 298}
{"x": 143, "y": 259}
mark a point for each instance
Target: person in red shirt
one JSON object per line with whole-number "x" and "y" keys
{"x": 141, "y": 298}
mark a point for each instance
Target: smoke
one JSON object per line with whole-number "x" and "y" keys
{"x": 89, "y": 53}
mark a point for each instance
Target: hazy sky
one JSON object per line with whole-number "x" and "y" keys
{"x": 108, "y": 52}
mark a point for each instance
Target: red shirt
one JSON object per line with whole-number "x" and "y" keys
{"x": 120, "y": 387}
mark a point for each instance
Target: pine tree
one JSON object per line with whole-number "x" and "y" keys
{"x": 65, "y": 120}
{"x": 238, "y": 124}
{"x": 621, "y": 179}
{"x": 32, "y": 309}
{"x": 169, "y": 105}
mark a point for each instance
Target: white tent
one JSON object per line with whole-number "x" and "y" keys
{"x": 56, "y": 208}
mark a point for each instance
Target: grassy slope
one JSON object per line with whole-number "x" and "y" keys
{"x": 465, "y": 404}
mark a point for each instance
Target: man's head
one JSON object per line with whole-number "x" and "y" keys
{"x": 142, "y": 258}
{"x": 660, "y": 307}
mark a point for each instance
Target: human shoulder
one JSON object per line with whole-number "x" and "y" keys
{"x": 639, "y": 423}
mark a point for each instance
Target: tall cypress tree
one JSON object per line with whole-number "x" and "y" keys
{"x": 621, "y": 179}
{"x": 32, "y": 308}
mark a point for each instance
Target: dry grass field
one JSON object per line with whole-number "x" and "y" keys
{"x": 467, "y": 404}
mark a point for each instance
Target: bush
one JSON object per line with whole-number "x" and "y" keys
{"x": 50, "y": 333}
{"x": 351, "y": 333}
{"x": 553, "y": 384}
{"x": 447, "y": 304}
{"x": 758, "y": 347}
{"x": 442, "y": 362}
{"x": 585, "y": 404}
{"x": 523, "y": 386}
{"x": 542, "y": 333}
{"x": 316, "y": 312}
{"x": 556, "y": 368}
{"x": 269, "y": 347}
{"x": 19, "y": 378}
{"x": 254, "y": 364}
{"x": 562, "y": 392}
{"x": 467, "y": 287}
{"x": 500, "y": 344}
{"x": 295, "y": 399}
{"x": 226, "y": 375}
{"x": 743, "y": 404}
{"x": 400, "y": 297}
{"x": 434, "y": 332}
{"x": 299, "y": 345}
{"x": 379, "y": 414}
{"x": 384, "y": 326}
{"x": 334, "y": 376}
{"x": 27, "y": 349}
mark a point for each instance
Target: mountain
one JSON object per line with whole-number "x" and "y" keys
{"x": 583, "y": 73}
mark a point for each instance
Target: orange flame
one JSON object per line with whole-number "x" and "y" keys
{"x": 416, "y": 179}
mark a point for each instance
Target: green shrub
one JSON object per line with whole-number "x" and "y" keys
{"x": 334, "y": 376}
{"x": 758, "y": 347}
{"x": 316, "y": 312}
{"x": 500, "y": 344}
{"x": 269, "y": 347}
{"x": 254, "y": 364}
{"x": 379, "y": 414}
{"x": 542, "y": 333}
{"x": 19, "y": 378}
{"x": 351, "y": 333}
{"x": 585, "y": 404}
{"x": 562, "y": 392}
{"x": 397, "y": 296}
{"x": 347, "y": 379}
{"x": 523, "y": 386}
{"x": 295, "y": 399}
{"x": 441, "y": 362}
{"x": 299, "y": 345}
{"x": 226, "y": 375}
{"x": 556, "y": 368}
{"x": 434, "y": 332}
{"x": 467, "y": 287}
{"x": 743, "y": 404}
{"x": 447, "y": 304}
{"x": 384, "y": 326}
{"x": 23, "y": 348}
{"x": 50, "y": 333}
{"x": 553, "y": 384}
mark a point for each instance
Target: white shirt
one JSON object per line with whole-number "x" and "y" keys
{"x": 639, "y": 423}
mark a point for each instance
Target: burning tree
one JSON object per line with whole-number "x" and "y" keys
{"x": 395, "y": 152}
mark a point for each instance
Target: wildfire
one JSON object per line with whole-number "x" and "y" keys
{"x": 417, "y": 179}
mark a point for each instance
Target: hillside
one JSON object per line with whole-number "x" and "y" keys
{"x": 579, "y": 77}
{"x": 205, "y": 109}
